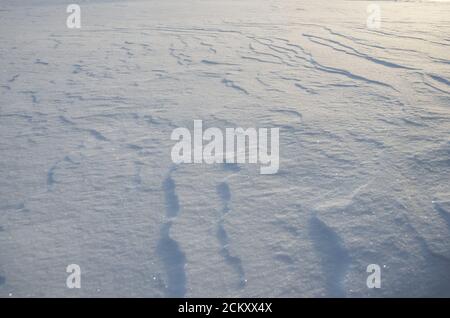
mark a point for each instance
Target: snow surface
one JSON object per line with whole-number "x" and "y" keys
{"x": 86, "y": 175}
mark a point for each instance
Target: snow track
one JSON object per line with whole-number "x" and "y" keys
{"x": 172, "y": 257}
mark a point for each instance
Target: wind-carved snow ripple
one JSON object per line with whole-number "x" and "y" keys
{"x": 341, "y": 47}
{"x": 334, "y": 257}
{"x": 65, "y": 163}
{"x": 168, "y": 249}
{"x": 223, "y": 191}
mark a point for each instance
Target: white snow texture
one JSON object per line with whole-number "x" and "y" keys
{"x": 86, "y": 175}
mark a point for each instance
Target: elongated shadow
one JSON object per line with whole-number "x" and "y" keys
{"x": 174, "y": 262}
{"x": 223, "y": 190}
{"x": 168, "y": 249}
{"x": 335, "y": 259}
